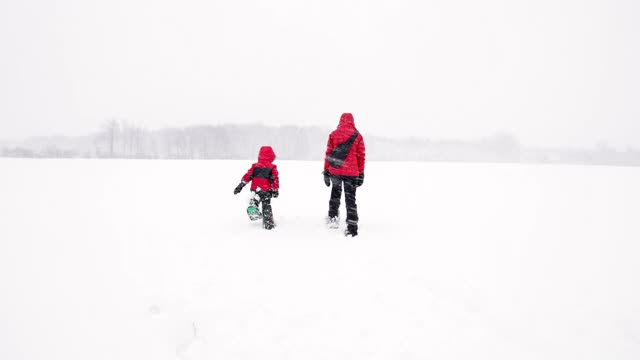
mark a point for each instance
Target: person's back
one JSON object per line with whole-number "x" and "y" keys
{"x": 353, "y": 164}
{"x": 264, "y": 173}
{"x": 344, "y": 165}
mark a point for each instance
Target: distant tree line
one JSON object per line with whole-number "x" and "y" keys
{"x": 122, "y": 140}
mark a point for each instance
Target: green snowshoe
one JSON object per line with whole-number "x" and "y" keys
{"x": 254, "y": 213}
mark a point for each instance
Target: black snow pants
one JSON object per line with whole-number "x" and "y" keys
{"x": 264, "y": 198}
{"x": 349, "y": 183}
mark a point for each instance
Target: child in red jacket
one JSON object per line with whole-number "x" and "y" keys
{"x": 264, "y": 185}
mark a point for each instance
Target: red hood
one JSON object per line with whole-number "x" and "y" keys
{"x": 346, "y": 121}
{"x": 266, "y": 154}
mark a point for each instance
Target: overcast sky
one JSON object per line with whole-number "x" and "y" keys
{"x": 551, "y": 72}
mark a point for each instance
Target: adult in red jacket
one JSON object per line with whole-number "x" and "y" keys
{"x": 344, "y": 166}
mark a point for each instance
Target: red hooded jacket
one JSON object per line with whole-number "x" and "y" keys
{"x": 354, "y": 163}
{"x": 263, "y": 174}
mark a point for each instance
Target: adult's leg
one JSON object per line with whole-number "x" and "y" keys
{"x": 336, "y": 193}
{"x": 352, "y": 208}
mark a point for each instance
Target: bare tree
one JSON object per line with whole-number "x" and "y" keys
{"x": 111, "y": 129}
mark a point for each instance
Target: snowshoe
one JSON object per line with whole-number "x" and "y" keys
{"x": 350, "y": 233}
{"x": 333, "y": 222}
{"x": 268, "y": 226}
{"x": 254, "y": 213}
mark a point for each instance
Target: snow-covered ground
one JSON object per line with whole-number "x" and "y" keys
{"x": 104, "y": 259}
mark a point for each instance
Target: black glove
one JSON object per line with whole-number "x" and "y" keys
{"x": 275, "y": 193}
{"x": 360, "y": 180}
{"x": 327, "y": 179}
{"x": 239, "y": 188}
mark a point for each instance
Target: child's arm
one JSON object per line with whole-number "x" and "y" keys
{"x": 275, "y": 181}
{"x": 249, "y": 175}
{"x": 245, "y": 179}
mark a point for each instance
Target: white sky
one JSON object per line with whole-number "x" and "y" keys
{"x": 551, "y": 72}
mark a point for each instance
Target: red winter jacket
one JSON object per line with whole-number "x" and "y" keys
{"x": 263, "y": 174}
{"x": 354, "y": 163}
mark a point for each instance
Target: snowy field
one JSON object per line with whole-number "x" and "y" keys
{"x": 104, "y": 259}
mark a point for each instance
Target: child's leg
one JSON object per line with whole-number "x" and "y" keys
{"x": 267, "y": 212}
{"x": 254, "y": 200}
